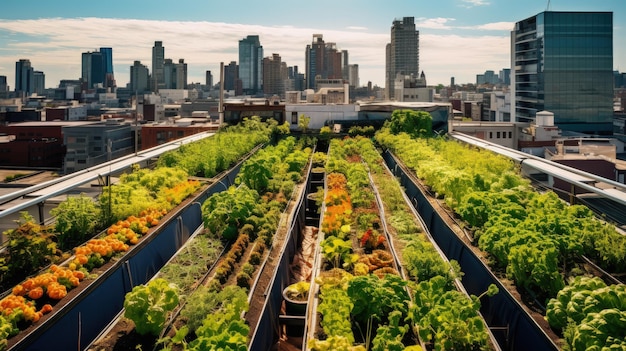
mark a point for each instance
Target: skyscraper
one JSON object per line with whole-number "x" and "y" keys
{"x": 562, "y": 62}
{"x": 274, "y": 75}
{"x": 209, "y": 79}
{"x": 24, "y": 77}
{"x": 231, "y": 76}
{"x": 139, "y": 78}
{"x": 3, "y": 84}
{"x": 107, "y": 60}
{"x": 402, "y": 54}
{"x": 93, "y": 71}
{"x": 158, "y": 59}
{"x": 39, "y": 82}
{"x": 251, "y": 64}
{"x": 324, "y": 60}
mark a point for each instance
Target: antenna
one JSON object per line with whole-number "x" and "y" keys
{"x": 548, "y": 7}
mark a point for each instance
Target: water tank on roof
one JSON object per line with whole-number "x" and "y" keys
{"x": 544, "y": 119}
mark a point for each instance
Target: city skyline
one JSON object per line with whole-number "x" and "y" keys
{"x": 458, "y": 38}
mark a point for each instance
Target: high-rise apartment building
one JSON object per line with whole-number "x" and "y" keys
{"x": 4, "y": 87}
{"x": 275, "y": 73}
{"x": 324, "y": 61}
{"x": 97, "y": 69}
{"x": 180, "y": 74}
{"x": 158, "y": 59}
{"x": 402, "y": 53}
{"x": 209, "y": 79}
{"x": 39, "y": 82}
{"x": 107, "y": 60}
{"x": 251, "y": 64}
{"x": 353, "y": 75}
{"x": 562, "y": 62}
{"x": 92, "y": 69}
{"x": 231, "y": 76}
{"x": 24, "y": 78}
{"x": 139, "y": 78}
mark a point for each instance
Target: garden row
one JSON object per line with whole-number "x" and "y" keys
{"x": 206, "y": 310}
{"x": 364, "y": 302}
{"x": 535, "y": 238}
{"x": 130, "y": 208}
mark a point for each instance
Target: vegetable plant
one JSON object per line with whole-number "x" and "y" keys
{"x": 148, "y": 305}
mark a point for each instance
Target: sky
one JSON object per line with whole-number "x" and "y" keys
{"x": 457, "y": 38}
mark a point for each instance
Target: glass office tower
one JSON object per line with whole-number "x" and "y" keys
{"x": 251, "y": 64}
{"x": 562, "y": 62}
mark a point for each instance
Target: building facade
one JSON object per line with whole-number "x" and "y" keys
{"x": 274, "y": 75}
{"x": 324, "y": 61}
{"x": 24, "y": 78}
{"x": 93, "y": 70}
{"x": 158, "y": 59}
{"x": 402, "y": 53}
{"x": 107, "y": 60}
{"x": 563, "y": 62}
{"x": 90, "y": 144}
{"x": 251, "y": 64}
{"x": 139, "y": 78}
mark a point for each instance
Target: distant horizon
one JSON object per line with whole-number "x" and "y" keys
{"x": 457, "y": 38}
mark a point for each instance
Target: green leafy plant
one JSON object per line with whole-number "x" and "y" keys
{"x": 375, "y": 299}
{"x": 76, "y": 219}
{"x": 338, "y": 252}
{"x": 148, "y": 305}
{"x": 223, "y": 328}
{"x": 29, "y": 248}
{"x": 298, "y": 291}
{"x": 225, "y": 212}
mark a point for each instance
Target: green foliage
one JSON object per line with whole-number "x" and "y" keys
{"x": 13, "y": 177}
{"x": 184, "y": 270}
{"x": 225, "y": 212}
{"x": 375, "y": 299}
{"x": 389, "y": 337}
{"x": 337, "y": 252}
{"x": 423, "y": 262}
{"x": 223, "y": 328}
{"x": 591, "y": 314}
{"x": 413, "y": 123}
{"x": 29, "y": 248}
{"x": 76, "y": 220}
{"x": 509, "y": 218}
{"x": 366, "y": 131}
{"x": 447, "y": 318}
{"x": 335, "y": 310}
{"x": 334, "y": 343}
{"x": 148, "y": 305}
{"x": 604, "y": 330}
{"x": 303, "y": 123}
{"x": 210, "y": 156}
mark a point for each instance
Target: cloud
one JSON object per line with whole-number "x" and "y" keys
{"x": 507, "y": 26}
{"x": 434, "y": 23}
{"x": 473, "y": 3}
{"x": 356, "y": 28}
{"x": 54, "y": 46}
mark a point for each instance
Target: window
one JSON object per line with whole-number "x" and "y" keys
{"x": 498, "y": 135}
{"x": 510, "y": 135}
{"x": 490, "y": 135}
{"x": 294, "y": 117}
